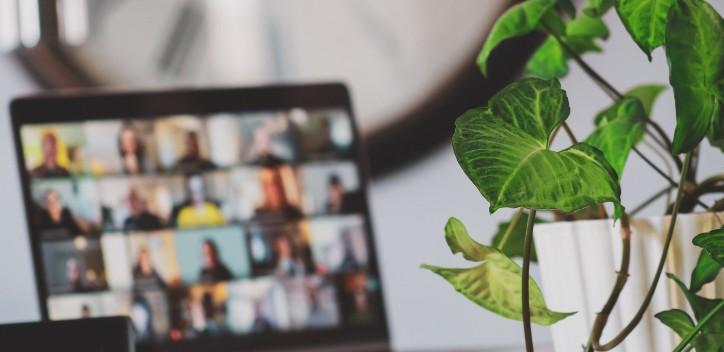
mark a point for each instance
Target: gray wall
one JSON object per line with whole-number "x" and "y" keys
{"x": 18, "y": 300}
{"x": 409, "y": 211}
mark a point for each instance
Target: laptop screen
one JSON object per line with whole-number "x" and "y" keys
{"x": 204, "y": 226}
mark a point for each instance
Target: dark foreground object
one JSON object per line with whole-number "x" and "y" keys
{"x": 113, "y": 334}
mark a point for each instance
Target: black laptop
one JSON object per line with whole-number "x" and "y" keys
{"x": 216, "y": 220}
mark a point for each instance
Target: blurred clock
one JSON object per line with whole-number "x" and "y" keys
{"x": 408, "y": 63}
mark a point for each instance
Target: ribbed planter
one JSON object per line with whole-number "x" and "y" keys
{"x": 578, "y": 261}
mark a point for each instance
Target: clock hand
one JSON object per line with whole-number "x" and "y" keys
{"x": 183, "y": 37}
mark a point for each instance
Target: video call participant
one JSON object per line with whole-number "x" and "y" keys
{"x": 213, "y": 269}
{"x": 318, "y": 315}
{"x": 291, "y": 260}
{"x": 349, "y": 260}
{"x": 142, "y": 317}
{"x": 140, "y": 219}
{"x": 55, "y": 219}
{"x": 85, "y": 311}
{"x": 131, "y": 149}
{"x": 275, "y": 203}
{"x": 210, "y": 317}
{"x": 260, "y": 323}
{"x": 340, "y": 201}
{"x": 73, "y": 275}
{"x": 358, "y": 301}
{"x": 180, "y": 315}
{"x": 263, "y": 154}
{"x": 145, "y": 275}
{"x": 192, "y": 161}
{"x": 49, "y": 166}
{"x": 197, "y": 210}
{"x": 323, "y": 143}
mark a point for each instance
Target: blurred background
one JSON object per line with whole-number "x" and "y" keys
{"x": 410, "y": 67}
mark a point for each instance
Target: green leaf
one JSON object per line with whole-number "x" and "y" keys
{"x": 713, "y": 243}
{"x": 700, "y": 305}
{"x": 710, "y": 338}
{"x": 551, "y": 60}
{"x": 567, "y": 7}
{"x": 495, "y": 284}
{"x": 504, "y": 150}
{"x": 513, "y": 246}
{"x": 581, "y": 45}
{"x": 716, "y": 133}
{"x": 520, "y": 19}
{"x": 705, "y": 271}
{"x": 604, "y": 116}
{"x": 645, "y": 21}
{"x": 620, "y": 128}
{"x": 694, "y": 37}
{"x": 647, "y": 94}
{"x": 618, "y": 210}
{"x": 677, "y": 320}
{"x": 682, "y": 324}
{"x": 597, "y": 8}
{"x": 587, "y": 26}
{"x": 708, "y": 342}
{"x": 551, "y": 22}
{"x": 459, "y": 241}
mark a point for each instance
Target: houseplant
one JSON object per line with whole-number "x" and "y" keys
{"x": 504, "y": 148}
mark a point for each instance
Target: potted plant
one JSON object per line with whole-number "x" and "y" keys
{"x": 505, "y": 150}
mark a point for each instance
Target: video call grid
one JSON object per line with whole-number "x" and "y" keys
{"x": 186, "y": 172}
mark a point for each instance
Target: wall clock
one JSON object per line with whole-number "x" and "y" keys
{"x": 409, "y": 63}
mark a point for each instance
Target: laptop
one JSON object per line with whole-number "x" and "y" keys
{"x": 215, "y": 219}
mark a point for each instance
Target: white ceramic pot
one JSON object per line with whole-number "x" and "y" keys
{"x": 578, "y": 262}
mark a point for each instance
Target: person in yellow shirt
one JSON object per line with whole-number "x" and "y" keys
{"x": 198, "y": 210}
{"x": 50, "y": 165}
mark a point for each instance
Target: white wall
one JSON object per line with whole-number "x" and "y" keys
{"x": 18, "y": 300}
{"x": 409, "y": 212}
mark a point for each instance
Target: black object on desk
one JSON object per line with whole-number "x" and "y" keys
{"x": 111, "y": 334}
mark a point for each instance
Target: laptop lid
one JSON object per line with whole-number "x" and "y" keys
{"x": 222, "y": 219}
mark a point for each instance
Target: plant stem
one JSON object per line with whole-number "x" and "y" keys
{"x": 666, "y": 140}
{"x": 657, "y": 139}
{"x": 695, "y": 163}
{"x": 655, "y": 167}
{"x": 698, "y": 327}
{"x": 713, "y": 184}
{"x": 669, "y": 172}
{"x": 602, "y": 317}
{"x": 665, "y": 176}
{"x": 710, "y": 183}
{"x": 569, "y": 132}
{"x": 509, "y": 230}
{"x": 608, "y": 88}
{"x": 621, "y": 275}
{"x": 662, "y": 156}
{"x": 527, "y": 244}
{"x": 651, "y": 200}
